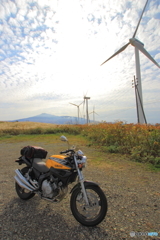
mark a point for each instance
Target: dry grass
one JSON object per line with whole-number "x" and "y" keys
{"x": 16, "y": 128}
{"x": 25, "y": 125}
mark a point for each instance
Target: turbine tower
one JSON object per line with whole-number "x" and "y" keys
{"x": 93, "y": 114}
{"x": 77, "y": 108}
{"x": 139, "y": 46}
{"x": 86, "y": 100}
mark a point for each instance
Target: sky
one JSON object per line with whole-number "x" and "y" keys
{"x": 51, "y": 52}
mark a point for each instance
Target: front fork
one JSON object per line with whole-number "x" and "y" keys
{"x": 81, "y": 180}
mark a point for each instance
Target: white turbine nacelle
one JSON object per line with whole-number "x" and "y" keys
{"x": 134, "y": 41}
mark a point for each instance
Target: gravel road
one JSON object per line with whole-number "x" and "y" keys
{"x": 133, "y": 203}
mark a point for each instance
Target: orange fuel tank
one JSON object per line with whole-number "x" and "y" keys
{"x": 58, "y": 162}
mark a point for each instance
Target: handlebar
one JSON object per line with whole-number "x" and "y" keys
{"x": 69, "y": 150}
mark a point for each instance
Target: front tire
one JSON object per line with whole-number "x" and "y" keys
{"x": 93, "y": 214}
{"x": 22, "y": 192}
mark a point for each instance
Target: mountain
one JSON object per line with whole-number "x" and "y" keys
{"x": 49, "y": 118}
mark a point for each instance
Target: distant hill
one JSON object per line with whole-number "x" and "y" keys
{"x": 49, "y": 118}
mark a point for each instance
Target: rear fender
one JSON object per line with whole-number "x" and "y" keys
{"x": 86, "y": 183}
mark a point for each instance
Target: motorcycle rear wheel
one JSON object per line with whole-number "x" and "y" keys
{"x": 22, "y": 192}
{"x": 93, "y": 214}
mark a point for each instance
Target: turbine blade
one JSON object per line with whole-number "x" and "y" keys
{"x": 140, "y": 20}
{"x": 80, "y": 103}
{"x": 83, "y": 104}
{"x": 74, "y": 104}
{"x": 120, "y": 50}
{"x": 144, "y": 51}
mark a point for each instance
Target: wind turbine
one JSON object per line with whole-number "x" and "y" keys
{"x": 77, "y": 108}
{"x": 86, "y": 100}
{"x": 93, "y": 113}
{"x": 139, "y": 46}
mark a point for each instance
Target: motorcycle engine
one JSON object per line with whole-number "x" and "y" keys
{"x": 49, "y": 190}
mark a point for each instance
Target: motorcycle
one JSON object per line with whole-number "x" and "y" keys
{"x": 50, "y": 181}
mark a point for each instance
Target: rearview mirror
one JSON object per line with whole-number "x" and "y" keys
{"x": 63, "y": 138}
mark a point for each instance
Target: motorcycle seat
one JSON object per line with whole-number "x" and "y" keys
{"x": 40, "y": 165}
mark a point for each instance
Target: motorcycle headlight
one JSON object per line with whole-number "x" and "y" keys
{"x": 82, "y": 162}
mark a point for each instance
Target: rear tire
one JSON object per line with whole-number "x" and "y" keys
{"x": 93, "y": 214}
{"x": 22, "y": 192}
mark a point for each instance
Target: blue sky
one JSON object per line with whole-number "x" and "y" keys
{"x": 51, "y": 51}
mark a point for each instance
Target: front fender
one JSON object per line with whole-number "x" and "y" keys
{"x": 86, "y": 183}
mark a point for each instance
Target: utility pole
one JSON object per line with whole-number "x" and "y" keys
{"x": 139, "y": 104}
{"x": 134, "y": 85}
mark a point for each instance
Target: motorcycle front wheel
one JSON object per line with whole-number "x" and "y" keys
{"x": 92, "y": 214}
{"x": 22, "y": 192}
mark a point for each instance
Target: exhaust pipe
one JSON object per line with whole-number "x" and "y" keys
{"x": 22, "y": 181}
{"x": 22, "y": 184}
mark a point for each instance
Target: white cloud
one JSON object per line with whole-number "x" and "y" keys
{"x": 157, "y": 56}
{"x": 55, "y": 48}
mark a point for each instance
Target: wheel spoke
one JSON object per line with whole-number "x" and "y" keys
{"x": 91, "y": 211}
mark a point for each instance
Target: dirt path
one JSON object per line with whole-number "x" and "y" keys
{"x": 133, "y": 200}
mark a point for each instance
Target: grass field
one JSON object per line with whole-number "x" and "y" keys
{"x": 140, "y": 143}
